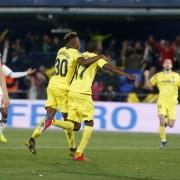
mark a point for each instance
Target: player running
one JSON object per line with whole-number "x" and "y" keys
{"x": 4, "y": 110}
{"x": 57, "y": 90}
{"x": 80, "y": 104}
{"x": 167, "y": 82}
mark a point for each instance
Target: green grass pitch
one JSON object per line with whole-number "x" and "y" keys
{"x": 112, "y": 156}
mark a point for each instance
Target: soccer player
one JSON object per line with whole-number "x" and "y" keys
{"x": 4, "y": 98}
{"x": 58, "y": 87}
{"x": 167, "y": 82}
{"x": 80, "y": 104}
{"x": 4, "y": 110}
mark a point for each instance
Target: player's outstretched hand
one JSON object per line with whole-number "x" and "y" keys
{"x": 31, "y": 71}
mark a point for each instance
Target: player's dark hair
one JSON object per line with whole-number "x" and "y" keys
{"x": 70, "y": 36}
{"x": 92, "y": 45}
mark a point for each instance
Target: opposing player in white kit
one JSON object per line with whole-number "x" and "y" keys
{"x": 4, "y": 110}
{"x": 5, "y": 97}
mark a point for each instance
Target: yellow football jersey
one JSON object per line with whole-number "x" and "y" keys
{"x": 84, "y": 76}
{"x": 65, "y": 66}
{"x": 168, "y": 86}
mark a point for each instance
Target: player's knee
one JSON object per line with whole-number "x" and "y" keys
{"x": 77, "y": 126}
{"x": 89, "y": 123}
{"x": 161, "y": 121}
{"x": 50, "y": 112}
{"x": 50, "y": 115}
{"x": 171, "y": 125}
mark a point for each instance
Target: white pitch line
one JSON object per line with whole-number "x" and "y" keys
{"x": 90, "y": 148}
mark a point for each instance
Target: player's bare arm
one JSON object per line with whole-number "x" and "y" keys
{"x": 118, "y": 71}
{"x": 86, "y": 62}
{"x": 8, "y": 72}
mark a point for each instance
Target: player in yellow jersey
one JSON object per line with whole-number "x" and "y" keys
{"x": 80, "y": 104}
{"x": 167, "y": 82}
{"x": 57, "y": 90}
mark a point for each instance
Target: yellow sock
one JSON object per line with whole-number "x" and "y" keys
{"x": 38, "y": 129}
{"x": 162, "y": 133}
{"x": 70, "y": 138}
{"x": 68, "y": 125}
{"x": 36, "y": 133}
{"x": 85, "y": 138}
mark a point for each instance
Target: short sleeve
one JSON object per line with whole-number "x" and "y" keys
{"x": 77, "y": 54}
{"x": 85, "y": 55}
{"x": 101, "y": 63}
{"x": 153, "y": 80}
{"x": 7, "y": 71}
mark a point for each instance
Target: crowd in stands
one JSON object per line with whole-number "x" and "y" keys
{"x": 39, "y": 51}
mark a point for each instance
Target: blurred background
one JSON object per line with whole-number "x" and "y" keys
{"x": 136, "y": 35}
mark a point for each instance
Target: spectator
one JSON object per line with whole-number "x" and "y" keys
{"x": 111, "y": 51}
{"x": 177, "y": 52}
{"x": 17, "y": 56}
{"x": 165, "y": 48}
{"x": 99, "y": 37}
{"x": 32, "y": 42}
{"x": 41, "y": 83}
{"x": 33, "y": 50}
{"x": 46, "y": 43}
{"x": 150, "y": 60}
{"x": 110, "y": 94}
{"x": 56, "y": 44}
{"x": 32, "y": 87}
{"x": 97, "y": 89}
{"x": 124, "y": 53}
{"x": 135, "y": 57}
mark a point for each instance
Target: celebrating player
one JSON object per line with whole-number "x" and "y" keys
{"x": 80, "y": 104}
{"x": 3, "y": 109}
{"x": 167, "y": 82}
{"x": 57, "y": 91}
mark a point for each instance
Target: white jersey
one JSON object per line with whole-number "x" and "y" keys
{"x": 6, "y": 72}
